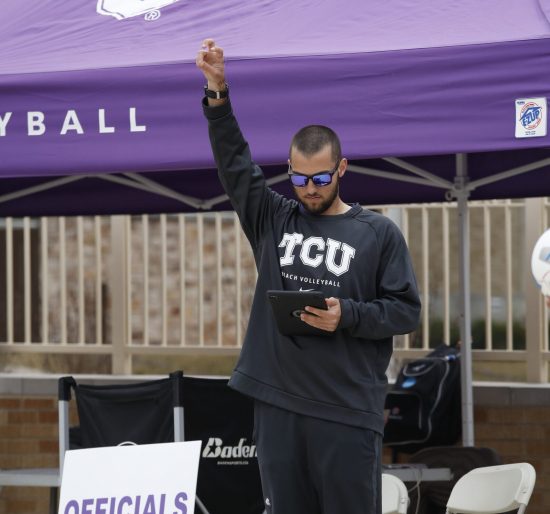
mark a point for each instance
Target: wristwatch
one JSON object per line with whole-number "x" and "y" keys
{"x": 218, "y": 95}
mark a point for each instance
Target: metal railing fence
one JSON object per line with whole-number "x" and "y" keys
{"x": 123, "y": 286}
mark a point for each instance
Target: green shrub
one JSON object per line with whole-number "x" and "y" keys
{"x": 498, "y": 330}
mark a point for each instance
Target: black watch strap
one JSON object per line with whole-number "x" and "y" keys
{"x": 218, "y": 95}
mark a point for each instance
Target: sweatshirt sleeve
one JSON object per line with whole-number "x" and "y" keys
{"x": 242, "y": 179}
{"x": 396, "y": 308}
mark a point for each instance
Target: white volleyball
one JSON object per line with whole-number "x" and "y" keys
{"x": 540, "y": 263}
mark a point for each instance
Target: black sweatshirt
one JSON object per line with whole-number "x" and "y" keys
{"x": 359, "y": 257}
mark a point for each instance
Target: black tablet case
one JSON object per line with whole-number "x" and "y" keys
{"x": 287, "y": 305}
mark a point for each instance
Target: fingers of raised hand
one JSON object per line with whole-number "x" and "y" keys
{"x": 209, "y": 47}
{"x": 199, "y": 61}
{"x": 210, "y": 60}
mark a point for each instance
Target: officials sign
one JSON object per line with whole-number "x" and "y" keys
{"x": 142, "y": 479}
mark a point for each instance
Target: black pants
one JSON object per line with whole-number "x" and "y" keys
{"x": 312, "y": 466}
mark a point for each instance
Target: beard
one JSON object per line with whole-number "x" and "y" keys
{"x": 322, "y": 206}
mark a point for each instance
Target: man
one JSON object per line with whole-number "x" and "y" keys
{"x": 318, "y": 399}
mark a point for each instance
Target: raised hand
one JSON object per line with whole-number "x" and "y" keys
{"x": 210, "y": 62}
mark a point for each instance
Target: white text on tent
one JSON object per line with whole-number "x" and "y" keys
{"x": 36, "y": 123}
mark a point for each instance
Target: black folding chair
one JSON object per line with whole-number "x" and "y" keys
{"x": 112, "y": 415}
{"x": 229, "y": 478}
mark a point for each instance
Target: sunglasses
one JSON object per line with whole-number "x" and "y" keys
{"x": 320, "y": 179}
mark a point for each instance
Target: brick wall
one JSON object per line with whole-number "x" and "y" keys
{"x": 520, "y": 434}
{"x": 515, "y": 421}
{"x": 28, "y": 439}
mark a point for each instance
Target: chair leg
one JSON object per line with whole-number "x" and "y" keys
{"x": 53, "y": 500}
{"x": 201, "y": 506}
{"x": 394, "y": 455}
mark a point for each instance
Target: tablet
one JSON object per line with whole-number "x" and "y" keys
{"x": 287, "y": 307}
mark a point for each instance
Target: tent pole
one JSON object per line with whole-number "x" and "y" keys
{"x": 371, "y": 172}
{"x": 461, "y": 192}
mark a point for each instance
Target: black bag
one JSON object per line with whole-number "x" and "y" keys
{"x": 424, "y": 403}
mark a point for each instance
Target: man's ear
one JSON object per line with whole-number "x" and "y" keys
{"x": 343, "y": 167}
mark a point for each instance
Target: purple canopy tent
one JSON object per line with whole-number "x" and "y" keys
{"x": 100, "y": 112}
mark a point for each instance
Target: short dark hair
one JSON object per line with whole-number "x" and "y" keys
{"x": 313, "y": 138}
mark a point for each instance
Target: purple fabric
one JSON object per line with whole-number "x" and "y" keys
{"x": 545, "y": 8}
{"x": 402, "y": 78}
{"x": 412, "y": 102}
{"x": 58, "y": 36}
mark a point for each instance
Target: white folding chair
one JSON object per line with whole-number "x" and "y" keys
{"x": 493, "y": 489}
{"x": 395, "y": 498}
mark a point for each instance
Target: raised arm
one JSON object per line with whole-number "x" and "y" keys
{"x": 210, "y": 61}
{"x": 242, "y": 179}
